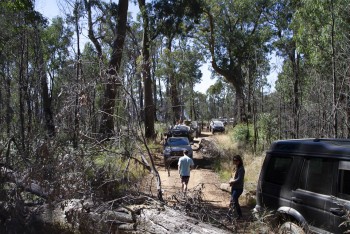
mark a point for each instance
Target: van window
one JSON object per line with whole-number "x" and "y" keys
{"x": 277, "y": 170}
{"x": 316, "y": 176}
{"x": 344, "y": 180}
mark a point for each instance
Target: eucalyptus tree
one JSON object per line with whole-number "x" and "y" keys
{"x": 186, "y": 61}
{"x": 281, "y": 17}
{"x": 200, "y": 101}
{"x": 23, "y": 72}
{"x": 233, "y": 31}
{"x": 215, "y": 95}
{"x": 146, "y": 73}
{"x": 174, "y": 19}
{"x": 183, "y": 65}
{"x": 113, "y": 80}
{"x": 55, "y": 43}
{"x": 321, "y": 35}
{"x": 112, "y": 77}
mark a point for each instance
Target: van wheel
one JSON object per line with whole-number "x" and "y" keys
{"x": 290, "y": 228}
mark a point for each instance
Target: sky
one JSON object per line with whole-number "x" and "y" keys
{"x": 53, "y": 8}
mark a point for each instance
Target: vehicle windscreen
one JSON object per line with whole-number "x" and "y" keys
{"x": 177, "y": 141}
{"x": 183, "y": 128}
{"x": 218, "y": 123}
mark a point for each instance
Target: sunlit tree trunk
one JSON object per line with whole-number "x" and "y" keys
{"x": 174, "y": 94}
{"x": 146, "y": 73}
{"x": 109, "y": 97}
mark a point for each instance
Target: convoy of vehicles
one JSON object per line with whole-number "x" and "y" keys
{"x": 306, "y": 184}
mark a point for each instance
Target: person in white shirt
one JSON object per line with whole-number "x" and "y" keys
{"x": 185, "y": 165}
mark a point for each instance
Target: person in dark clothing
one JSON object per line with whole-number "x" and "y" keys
{"x": 237, "y": 184}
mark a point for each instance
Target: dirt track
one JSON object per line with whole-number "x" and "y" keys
{"x": 202, "y": 178}
{"x": 205, "y": 179}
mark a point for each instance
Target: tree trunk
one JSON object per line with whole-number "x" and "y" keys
{"x": 107, "y": 119}
{"x": 146, "y": 72}
{"x": 174, "y": 94}
{"x": 45, "y": 94}
{"x": 334, "y": 77}
{"x": 295, "y": 58}
{"x": 78, "y": 73}
{"x": 91, "y": 34}
{"x": 21, "y": 86}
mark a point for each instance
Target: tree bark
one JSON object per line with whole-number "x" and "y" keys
{"x": 334, "y": 76}
{"x": 146, "y": 73}
{"x": 46, "y": 97}
{"x": 107, "y": 119}
{"x": 175, "y": 101}
{"x": 233, "y": 75}
{"x": 78, "y": 74}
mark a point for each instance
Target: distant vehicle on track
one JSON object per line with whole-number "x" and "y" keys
{"x": 224, "y": 120}
{"x": 181, "y": 131}
{"x": 216, "y": 126}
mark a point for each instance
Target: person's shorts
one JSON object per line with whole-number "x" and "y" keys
{"x": 185, "y": 179}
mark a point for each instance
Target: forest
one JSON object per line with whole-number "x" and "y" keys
{"x": 74, "y": 116}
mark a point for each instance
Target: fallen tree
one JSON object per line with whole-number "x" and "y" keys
{"x": 149, "y": 216}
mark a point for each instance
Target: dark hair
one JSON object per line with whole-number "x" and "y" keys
{"x": 186, "y": 152}
{"x": 238, "y": 158}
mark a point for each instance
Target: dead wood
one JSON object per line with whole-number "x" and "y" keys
{"x": 20, "y": 180}
{"x": 79, "y": 216}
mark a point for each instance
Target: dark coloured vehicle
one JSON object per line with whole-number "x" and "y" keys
{"x": 216, "y": 126}
{"x": 306, "y": 183}
{"x": 174, "y": 147}
{"x": 181, "y": 131}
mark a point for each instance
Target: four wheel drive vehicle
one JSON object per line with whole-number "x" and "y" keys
{"x": 306, "y": 183}
{"x": 216, "y": 126}
{"x": 181, "y": 131}
{"x": 223, "y": 120}
{"x": 174, "y": 147}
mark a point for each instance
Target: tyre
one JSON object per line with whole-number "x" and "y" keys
{"x": 290, "y": 228}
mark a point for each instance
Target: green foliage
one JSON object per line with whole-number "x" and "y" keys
{"x": 17, "y": 5}
{"x": 224, "y": 175}
{"x": 111, "y": 173}
{"x": 243, "y": 133}
{"x": 268, "y": 128}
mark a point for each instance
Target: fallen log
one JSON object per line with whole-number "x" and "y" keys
{"x": 20, "y": 180}
{"x": 155, "y": 217}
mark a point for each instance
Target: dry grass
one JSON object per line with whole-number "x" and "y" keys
{"x": 252, "y": 163}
